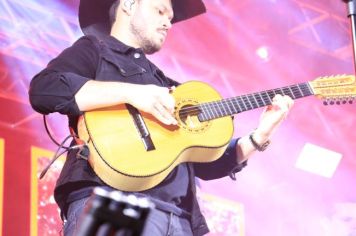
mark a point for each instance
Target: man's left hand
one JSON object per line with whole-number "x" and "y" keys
{"x": 273, "y": 116}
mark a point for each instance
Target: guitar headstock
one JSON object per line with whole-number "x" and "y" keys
{"x": 338, "y": 89}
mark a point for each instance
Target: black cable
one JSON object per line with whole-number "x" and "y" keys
{"x": 56, "y": 156}
{"x": 51, "y": 137}
{"x": 60, "y": 146}
{"x": 82, "y": 146}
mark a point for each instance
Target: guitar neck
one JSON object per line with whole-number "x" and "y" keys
{"x": 235, "y": 105}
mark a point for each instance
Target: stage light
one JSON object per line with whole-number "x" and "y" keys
{"x": 318, "y": 160}
{"x": 263, "y": 53}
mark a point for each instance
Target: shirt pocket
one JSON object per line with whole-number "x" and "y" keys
{"x": 119, "y": 68}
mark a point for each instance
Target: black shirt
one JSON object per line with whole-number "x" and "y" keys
{"x": 107, "y": 59}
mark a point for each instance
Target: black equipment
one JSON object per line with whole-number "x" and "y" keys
{"x": 114, "y": 213}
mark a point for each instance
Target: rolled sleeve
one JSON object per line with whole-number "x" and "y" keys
{"x": 57, "y": 96}
{"x": 226, "y": 165}
{"x": 54, "y": 88}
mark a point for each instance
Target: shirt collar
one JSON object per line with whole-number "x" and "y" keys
{"x": 119, "y": 46}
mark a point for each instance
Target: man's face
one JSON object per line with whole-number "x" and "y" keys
{"x": 150, "y": 23}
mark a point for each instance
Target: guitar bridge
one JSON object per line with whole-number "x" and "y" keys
{"x": 141, "y": 127}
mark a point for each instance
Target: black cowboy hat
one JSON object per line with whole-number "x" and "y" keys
{"x": 94, "y": 14}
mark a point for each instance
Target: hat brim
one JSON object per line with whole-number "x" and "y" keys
{"x": 94, "y": 14}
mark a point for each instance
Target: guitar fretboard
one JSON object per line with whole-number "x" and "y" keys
{"x": 231, "y": 106}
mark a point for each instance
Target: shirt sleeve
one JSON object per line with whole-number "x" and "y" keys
{"x": 226, "y": 165}
{"x": 54, "y": 88}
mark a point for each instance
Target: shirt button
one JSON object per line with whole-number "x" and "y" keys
{"x": 137, "y": 55}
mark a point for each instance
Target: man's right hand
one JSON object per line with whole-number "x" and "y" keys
{"x": 148, "y": 98}
{"x": 154, "y": 100}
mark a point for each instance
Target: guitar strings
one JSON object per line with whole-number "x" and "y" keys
{"x": 265, "y": 100}
{"x": 303, "y": 89}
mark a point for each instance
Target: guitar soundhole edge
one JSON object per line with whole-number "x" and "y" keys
{"x": 187, "y": 112}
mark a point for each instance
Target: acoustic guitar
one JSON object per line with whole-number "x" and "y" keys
{"x": 133, "y": 151}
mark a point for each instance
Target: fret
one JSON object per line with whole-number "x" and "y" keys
{"x": 262, "y": 99}
{"x": 237, "y": 102}
{"x": 207, "y": 113}
{"x": 245, "y": 98}
{"x": 310, "y": 91}
{"x": 234, "y": 110}
{"x": 301, "y": 92}
{"x": 258, "y": 100}
{"x": 286, "y": 91}
{"x": 223, "y": 107}
{"x": 241, "y": 102}
{"x": 203, "y": 114}
{"x": 306, "y": 89}
{"x": 269, "y": 98}
{"x": 281, "y": 91}
{"x": 226, "y": 103}
{"x": 297, "y": 91}
{"x": 253, "y": 101}
{"x": 218, "y": 110}
{"x": 211, "y": 113}
{"x": 244, "y": 102}
{"x": 271, "y": 94}
{"x": 214, "y": 109}
{"x": 291, "y": 92}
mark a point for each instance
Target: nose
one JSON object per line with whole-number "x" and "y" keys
{"x": 167, "y": 23}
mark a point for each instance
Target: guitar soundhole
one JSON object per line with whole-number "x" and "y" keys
{"x": 188, "y": 118}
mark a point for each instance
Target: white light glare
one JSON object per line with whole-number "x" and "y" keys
{"x": 263, "y": 53}
{"x": 318, "y": 160}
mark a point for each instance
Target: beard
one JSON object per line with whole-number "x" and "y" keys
{"x": 146, "y": 44}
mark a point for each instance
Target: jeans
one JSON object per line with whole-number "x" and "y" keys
{"x": 158, "y": 223}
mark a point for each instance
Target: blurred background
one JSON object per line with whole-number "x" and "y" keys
{"x": 304, "y": 184}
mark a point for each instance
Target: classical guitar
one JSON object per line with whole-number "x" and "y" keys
{"x": 132, "y": 151}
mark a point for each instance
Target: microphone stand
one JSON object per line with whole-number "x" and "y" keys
{"x": 351, "y": 5}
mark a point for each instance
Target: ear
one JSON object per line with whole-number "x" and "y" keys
{"x": 128, "y": 6}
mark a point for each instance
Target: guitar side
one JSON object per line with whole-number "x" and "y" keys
{"x": 117, "y": 153}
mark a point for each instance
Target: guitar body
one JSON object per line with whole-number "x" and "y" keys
{"x": 119, "y": 157}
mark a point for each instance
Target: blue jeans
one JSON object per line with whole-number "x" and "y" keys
{"x": 158, "y": 223}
